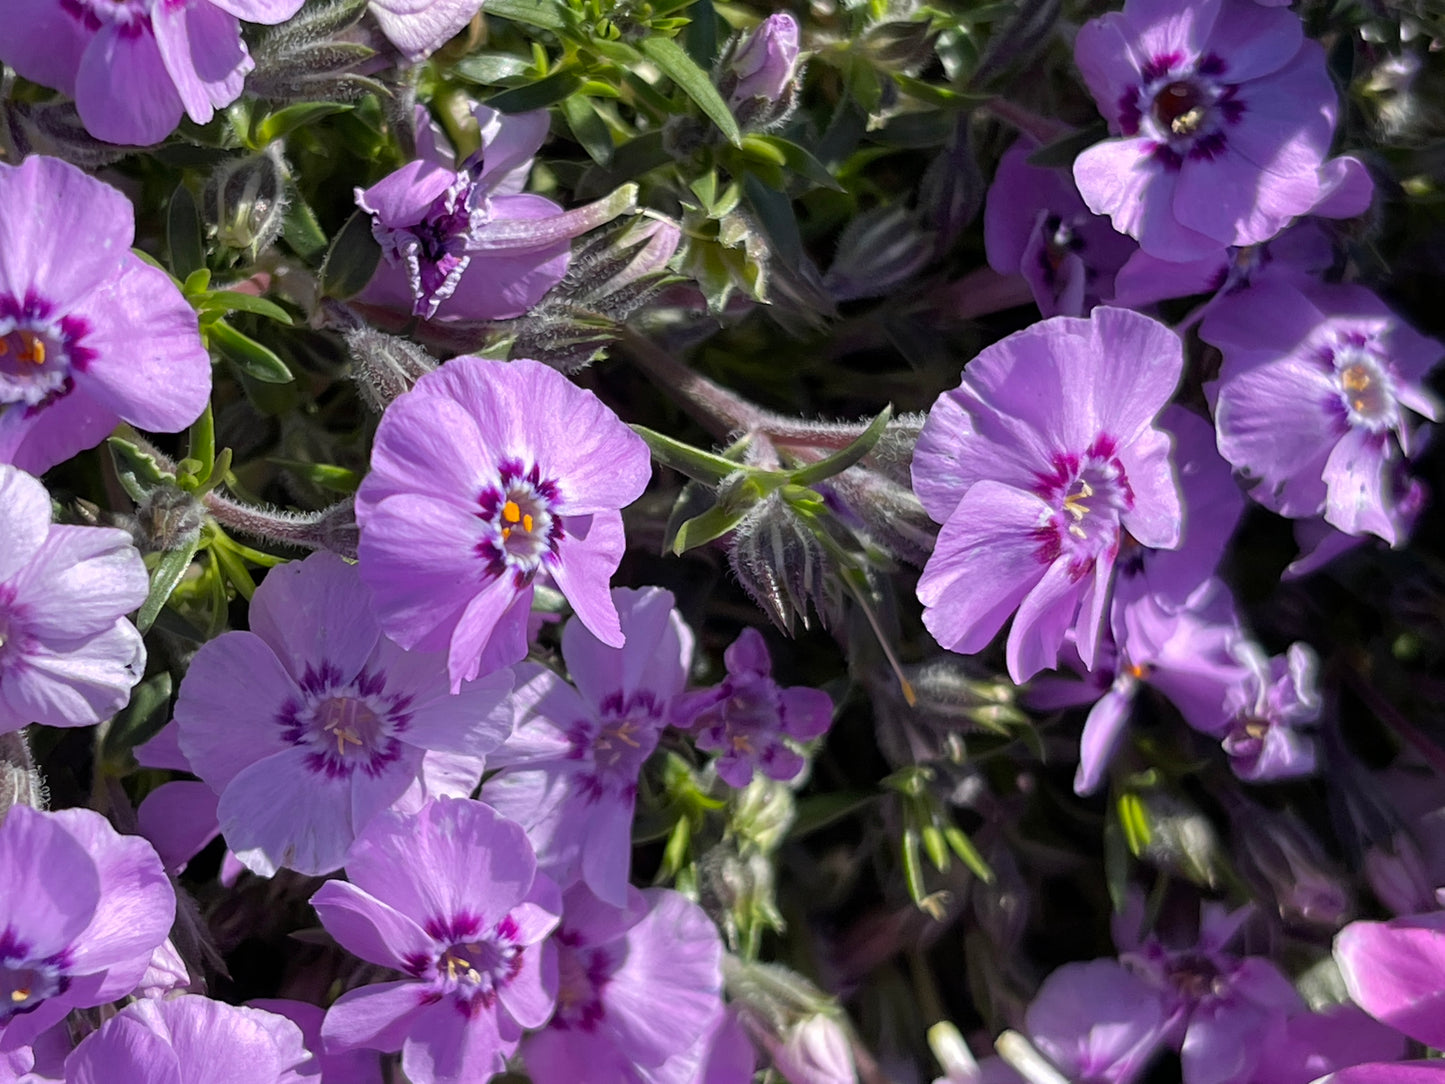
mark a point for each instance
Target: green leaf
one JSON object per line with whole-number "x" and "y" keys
{"x": 300, "y": 228}
{"x": 285, "y": 121}
{"x": 912, "y": 866}
{"x": 546, "y": 91}
{"x": 542, "y": 13}
{"x": 692, "y": 81}
{"x": 968, "y": 854}
{"x": 138, "y": 471}
{"x": 844, "y": 458}
{"x": 185, "y": 239}
{"x": 700, "y": 530}
{"x": 234, "y": 569}
{"x": 224, "y": 301}
{"x": 1062, "y": 151}
{"x": 707, "y": 467}
{"x": 796, "y": 158}
{"x": 820, "y": 810}
{"x": 489, "y": 69}
{"x": 326, "y": 475}
{"x": 253, "y": 359}
{"x": 933, "y": 94}
{"x": 143, "y": 716}
{"x": 590, "y": 129}
{"x": 164, "y": 577}
{"x": 352, "y": 258}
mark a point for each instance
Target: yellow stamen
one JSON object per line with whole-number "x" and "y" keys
{"x": 741, "y": 744}
{"x": 527, "y": 524}
{"x": 1187, "y": 123}
{"x": 506, "y": 533}
{"x": 511, "y": 513}
{"x": 20, "y": 995}
{"x": 1355, "y": 378}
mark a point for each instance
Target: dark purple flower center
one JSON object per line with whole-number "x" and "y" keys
{"x": 475, "y": 963}
{"x": 614, "y": 745}
{"x": 434, "y": 250}
{"x": 1185, "y": 107}
{"x": 25, "y": 984}
{"x": 346, "y": 726}
{"x": 582, "y": 975}
{"x": 133, "y": 17}
{"x": 38, "y": 352}
{"x": 1088, "y": 493}
{"x": 1196, "y": 977}
{"x": 523, "y": 527}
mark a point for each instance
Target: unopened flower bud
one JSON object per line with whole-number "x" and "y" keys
{"x": 1291, "y": 862}
{"x": 880, "y": 249}
{"x": 384, "y": 366}
{"x": 20, "y": 782}
{"x": 814, "y": 1052}
{"x": 168, "y": 519}
{"x": 762, "y": 813}
{"x": 245, "y": 201}
{"x": 767, "y": 60}
{"x": 795, "y": 1022}
{"x": 781, "y": 564}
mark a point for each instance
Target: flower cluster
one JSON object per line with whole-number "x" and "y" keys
{"x": 414, "y": 412}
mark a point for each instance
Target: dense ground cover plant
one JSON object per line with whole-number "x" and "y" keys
{"x": 700, "y": 542}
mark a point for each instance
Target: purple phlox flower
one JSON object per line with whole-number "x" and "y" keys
{"x": 1395, "y": 971}
{"x": 68, "y": 655}
{"x": 766, "y": 62}
{"x": 1222, "y": 113}
{"x": 749, "y": 720}
{"x": 135, "y": 66}
{"x": 1316, "y": 1043}
{"x": 1220, "y": 1010}
{"x": 1266, "y": 711}
{"x": 90, "y": 334}
{"x": 313, "y": 722}
{"x": 343, "y": 1067}
{"x": 420, "y": 27}
{"x": 729, "y": 1057}
{"x": 42, "y": 1062}
{"x": 463, "y": 242}
{"x": 1406, "y": 496}
{"x": 82, "y": 912}
{"x": 190, "y": 1040}
{"x": 1185, "y": 652}
{"x": 1036, "y": 465}
{"x": 1298, "y": 254}
{"x": 569, "y": 772}
{"x": 484, "y": 475}
{"x": 1035, "y": 224}
{"x": 615, "y": 968}
{"x": 1399, "y": 1072}
{"x": 451, "y": 899}
{"x": 1314, "y": 398}
{"x": 1097, "y": 1022}
{"x": 1212, "y": 506}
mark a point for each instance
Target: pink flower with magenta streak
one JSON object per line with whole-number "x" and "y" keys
{"x": 1036, "y": 465}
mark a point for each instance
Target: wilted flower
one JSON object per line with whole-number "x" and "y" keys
{"x": 184, "y": 1040}
{"x": 484, "y": 476}
{"x": 452, "y": 900}
{"x": 135, "y": 66}
{"x": 1035, "y": 488}
{"x": 313, "y": 722}
{"x": 90, "y": 334}
{"x": 569, "y": 774}
{"x": 68, "y": 655}
{"x": 82, "y": 911}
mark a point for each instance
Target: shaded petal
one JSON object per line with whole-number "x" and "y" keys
{"x": 1119, "y": 178}
{"x": 44, "y": 43}
{"x": 26, "y": 523}
{"x": 473, "y": 721}
{"x": 1357, "y": 479}
{"x": 656, "y": 656}
{"x": 1105, "y": 727}
{"x": 81, "y": 582}
{"x": 123, "y": 92}
{"x": 532, "y": 994}
{"x": 607, "y": 853}
{"x": 446, "y": 1046}
{"x": 37, "y": 438}
{"x": 52, "y": 886}
{"x": 378, "y": 1017}
{"x": 281, "y": 812}
{"x": 1046, "y": 613}
{"x": 315, "y": 615}
{"x": 179, "y": 818}
{"x": 231, "y": 706}
{"x": 76, "y": 683}
{"x": 368, "y": 928}
{"x": 201, "y": 47}
{"x": 427, "y": 446}
{"x": 419, "y": 29}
